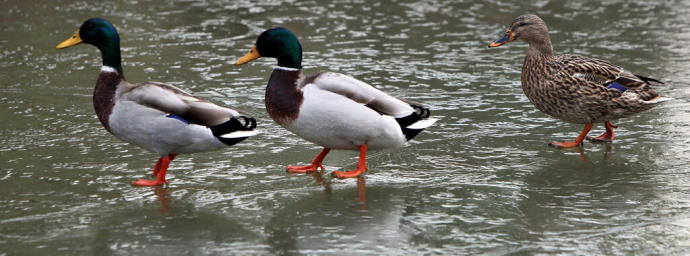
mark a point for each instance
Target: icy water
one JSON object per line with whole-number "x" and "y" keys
{"x": 481, "y": 181}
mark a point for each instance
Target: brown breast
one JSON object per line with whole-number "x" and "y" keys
{"x": 283, "y": 97}
{"x": 104, "y": 96}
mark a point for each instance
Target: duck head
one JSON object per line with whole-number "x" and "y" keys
{"x": 279, "y": 43}
{"x": 102, "y": 34}
{"x": 528, "y": 27}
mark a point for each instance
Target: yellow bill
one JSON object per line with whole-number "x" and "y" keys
{"x": 74, "y": 40}
{"x": 252, "y": 55}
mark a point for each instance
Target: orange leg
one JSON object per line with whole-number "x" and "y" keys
{"x": 607, "y": 136}
{"x": 160, "y": 174}
{"x": 361, "y": 165}
{"x": 315, "y": 164}
{"x": 577, "y": 142}
{"x": 156, "y": 167}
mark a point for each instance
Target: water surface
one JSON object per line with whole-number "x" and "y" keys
{"x": 481, "y": 181}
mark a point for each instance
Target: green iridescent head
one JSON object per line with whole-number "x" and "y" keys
{"x": 279, "y": 43}
{"x": 102, "y": 34}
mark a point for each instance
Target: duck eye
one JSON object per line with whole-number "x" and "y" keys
{"x": 523, "y": 24}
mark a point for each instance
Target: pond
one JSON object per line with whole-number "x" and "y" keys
{"x": 482, "y": 180}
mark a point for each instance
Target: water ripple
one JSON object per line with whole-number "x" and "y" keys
{"x": 481, "y": 181}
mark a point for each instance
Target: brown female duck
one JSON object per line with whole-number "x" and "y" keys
{"x": 577, "y": 89}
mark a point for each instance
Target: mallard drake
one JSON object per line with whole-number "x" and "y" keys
{"x": 330, "y": 109}
{"x": 155, "y": 116}
{"x": 575, "y": 88}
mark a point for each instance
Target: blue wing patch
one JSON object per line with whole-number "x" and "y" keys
{"x": 173, "y": 116}
{"x": 617, "y": 86}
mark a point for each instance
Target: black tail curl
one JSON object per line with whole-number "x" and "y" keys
{"x": 421, "y": 111}
{"x": 419, "y": 114}
{"x": 249, "y": 123}
{"x": 233, "y": 125}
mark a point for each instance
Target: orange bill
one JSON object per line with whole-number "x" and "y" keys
{"x": 252, "y": 55}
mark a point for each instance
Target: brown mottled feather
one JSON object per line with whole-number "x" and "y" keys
{"x": 573, "y": 88}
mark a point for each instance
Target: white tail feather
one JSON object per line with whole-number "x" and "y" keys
{"x": 421, "y": 124}
{"x": 239, "y": 134}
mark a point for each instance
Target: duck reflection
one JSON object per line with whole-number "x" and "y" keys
{"x": 336, "y": 220}
{"x": 606, "y": 154}
{"x": 580, "y": 196}
{"x": 320, "y": 180}
{"x": 362, "y": 189}
{"x": 328, "y": 189}
{"x": 163, "y": 196}
{"x": 189, "y": 230}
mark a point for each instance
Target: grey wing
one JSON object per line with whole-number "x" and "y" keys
{"x": 172, "y": 100}
{"x": 363, "y": 93}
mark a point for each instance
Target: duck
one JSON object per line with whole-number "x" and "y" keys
{"x": 333, "y": 110}
{"x": 158, "y": 117}
{"x": 574, "y": 88}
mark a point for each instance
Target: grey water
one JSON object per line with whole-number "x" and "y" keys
{"x": 480, "y": 181}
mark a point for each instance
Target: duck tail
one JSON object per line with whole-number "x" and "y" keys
{"x": 648, "y": 79}
{"x": 657, "y": 100}
{"x": 233, "y": 131}
{"x": 414, "y": 123}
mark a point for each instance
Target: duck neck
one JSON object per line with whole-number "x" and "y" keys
{"x": 536, "y": 61}
{"x": 291, "y": 59}
{"x": 283, "y": 95}
{"x": 110, "y": 52}
{"x": 541, "y": 48}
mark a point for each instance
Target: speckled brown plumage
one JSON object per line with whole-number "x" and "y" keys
{"x": 575, "y": 88}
